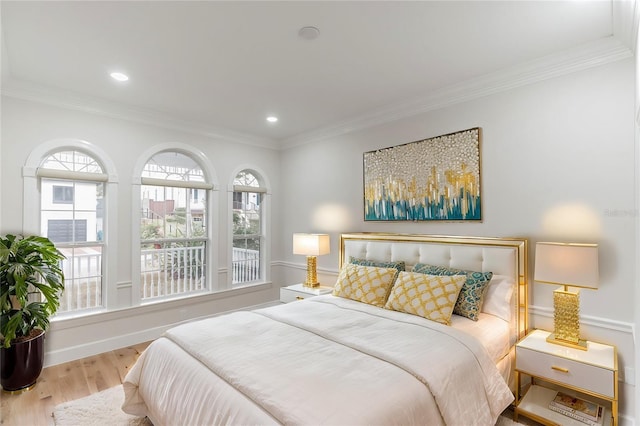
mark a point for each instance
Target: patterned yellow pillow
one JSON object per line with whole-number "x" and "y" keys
{"x": 366, "y": 284}
{"x": 430, "y": 296}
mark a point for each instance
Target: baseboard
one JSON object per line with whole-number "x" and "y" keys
{"x": 100, "y": 346}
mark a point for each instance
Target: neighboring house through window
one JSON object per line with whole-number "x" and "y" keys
{"x": 62, "y": 194}
{"x": 72, "y": 190}
{"x": 248, "y": 228}
{"x": 174, "y": 237}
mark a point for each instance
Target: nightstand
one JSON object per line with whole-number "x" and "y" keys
{"x": 298, "y": 292}
{"x": 590, "y": 374}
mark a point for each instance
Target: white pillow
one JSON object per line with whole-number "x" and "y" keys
{"x": 497, "y": 299}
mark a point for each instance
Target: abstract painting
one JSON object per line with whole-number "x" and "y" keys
{"x": 431, "y": 179}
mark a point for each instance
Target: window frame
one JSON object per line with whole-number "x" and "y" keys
{"x": 33, "y": 172}
{"x": 264, "y": 233}
{"x": 208, "y": 184}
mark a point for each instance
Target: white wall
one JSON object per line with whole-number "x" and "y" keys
{"x": 26, "y": 125}
{"x": 557, "y": 164}
{"x": 556, "y": 144}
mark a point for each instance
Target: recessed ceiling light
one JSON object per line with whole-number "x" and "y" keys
{"x": 119, "y": 76}
{"x": 309, "y": 33}
{"x": 272, "y": 119}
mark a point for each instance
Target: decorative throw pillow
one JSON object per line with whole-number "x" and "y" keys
{"x": 366, "y": 284}
{"x": 399, "y": 265}
{"x": 429, "y": 296}
{"x": 469, "y": 302}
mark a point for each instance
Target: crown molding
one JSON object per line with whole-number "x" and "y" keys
{"x": 625, "y": 21}
{"x": 28, "y": 91}
{"x": 587, "y": 56}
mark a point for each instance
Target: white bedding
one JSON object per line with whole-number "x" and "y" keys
{"x": 490, "y": 330}
{"x": 325, "y": 360}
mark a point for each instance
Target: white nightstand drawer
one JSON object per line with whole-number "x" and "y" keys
{"x": 566, "y": 371}
{"x": 287, "y": 295}
{"x": 300, "y": 292}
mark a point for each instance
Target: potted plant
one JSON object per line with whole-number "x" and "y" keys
{"x": 31, "y": 282}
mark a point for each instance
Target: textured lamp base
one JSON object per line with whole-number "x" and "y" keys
{"x": 580, "y": 344}
{"x": 312, "y": 277}
{"x": 566, "y": 319}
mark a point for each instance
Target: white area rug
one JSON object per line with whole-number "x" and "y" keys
{"x": 103, "y": 408}
{"x": 99, "y": 409}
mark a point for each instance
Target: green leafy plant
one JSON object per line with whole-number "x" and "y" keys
{"x": 31, "y": 282}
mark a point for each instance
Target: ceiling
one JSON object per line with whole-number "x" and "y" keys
{"x": 221, "y": 68}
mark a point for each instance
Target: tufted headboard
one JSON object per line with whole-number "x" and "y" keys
{"x": 502, "y": 256}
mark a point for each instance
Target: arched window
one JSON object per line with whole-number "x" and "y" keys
{"x": 173, "y": 226}
{"x": 72, "y": 215}
{"x": 248, "y": 229}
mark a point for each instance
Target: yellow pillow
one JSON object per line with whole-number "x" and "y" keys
{"x": 366, "y": 284}
{"x": 429, "y": 296}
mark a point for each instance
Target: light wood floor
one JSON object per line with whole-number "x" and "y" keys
{"x": 66, "y": 382}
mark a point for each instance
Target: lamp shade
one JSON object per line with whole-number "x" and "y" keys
{"x": 311, "y": 244}
{"x": 574, "y": 265}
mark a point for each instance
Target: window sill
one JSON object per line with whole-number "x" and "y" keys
{"x": 87, "y": 318}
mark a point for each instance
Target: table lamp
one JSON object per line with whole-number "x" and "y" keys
{"x": 568, "y": 265}
{"x": 311, "y": 245}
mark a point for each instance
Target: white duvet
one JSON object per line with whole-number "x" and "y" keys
{"x": 326, "y": 360}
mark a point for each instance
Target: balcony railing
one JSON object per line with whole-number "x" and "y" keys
{"x": 172, "y": 270}
{"x": 245, "y": 265}
{"x": 83, "y": 279}
{"x": 164, "y": 272}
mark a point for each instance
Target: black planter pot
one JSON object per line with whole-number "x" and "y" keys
{"x": 21, "y": 364}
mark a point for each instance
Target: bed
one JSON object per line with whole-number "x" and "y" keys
{"x": 343, "y": 359}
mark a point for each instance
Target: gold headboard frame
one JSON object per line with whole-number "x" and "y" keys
{"x": 520, "y": 245}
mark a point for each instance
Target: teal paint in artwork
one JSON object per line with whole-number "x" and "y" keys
{"x": 432, "y": 179}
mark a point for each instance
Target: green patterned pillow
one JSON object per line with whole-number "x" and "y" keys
{"x": 400, "y": 265}
{"x": 470, "y": 299}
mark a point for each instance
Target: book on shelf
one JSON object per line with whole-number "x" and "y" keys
{"x": 577, "y": 408}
